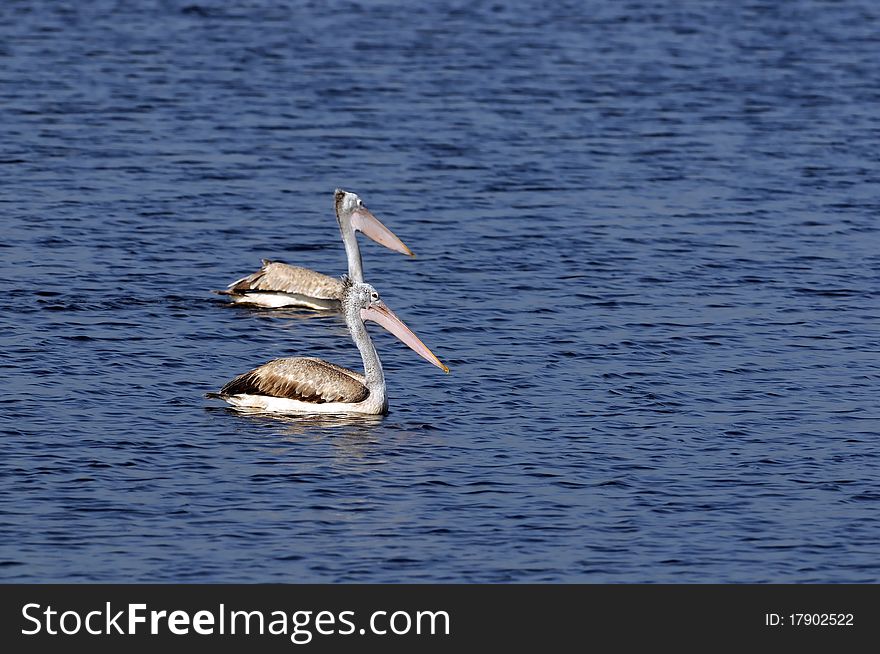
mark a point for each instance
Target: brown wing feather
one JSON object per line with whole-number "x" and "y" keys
{"x": 284, "y": 278}
{"x": 351, "y": 373}
{"x": 308, "y": 380}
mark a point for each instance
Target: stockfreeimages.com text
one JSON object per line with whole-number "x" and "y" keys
{"x": 300, "y": 626}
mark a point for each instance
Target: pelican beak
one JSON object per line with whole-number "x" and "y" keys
{"x": 381, "y": 314}
{"x": 364, "y": 221}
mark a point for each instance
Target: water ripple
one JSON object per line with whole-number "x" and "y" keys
{"x": 647, "y": 247}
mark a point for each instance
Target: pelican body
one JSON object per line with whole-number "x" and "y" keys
{"x": 278, "y": 284}
{"x": 308, "y": 385}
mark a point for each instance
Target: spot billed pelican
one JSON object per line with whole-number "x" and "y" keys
{"x": 278, "y": 284}
{"x": 308, "y": 385}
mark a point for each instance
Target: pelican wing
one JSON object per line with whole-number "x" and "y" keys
{"x": 304, "y": 379}
{"x": 284, "y": 278}
{"x": 345, "y": 371}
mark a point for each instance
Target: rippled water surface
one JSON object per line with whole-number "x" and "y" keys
{"x": 648, "y": 249}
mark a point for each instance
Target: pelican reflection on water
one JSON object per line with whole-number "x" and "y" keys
{"x": 278, "y": 284}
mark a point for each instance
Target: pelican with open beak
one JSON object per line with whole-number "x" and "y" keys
{"x": 278, "y": 284}
{"x": 307, "y": 385}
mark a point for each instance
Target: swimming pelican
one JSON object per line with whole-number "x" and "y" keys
{"x": 278, "y": 284}
{"x": 308, "y": 385}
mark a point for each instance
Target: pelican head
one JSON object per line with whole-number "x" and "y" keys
{"x": 350, "y": 210}
{"x": 362, "y": 302}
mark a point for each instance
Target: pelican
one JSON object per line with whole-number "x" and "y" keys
{"x": 308, "y": 385}
{"x": 278, "y": 284}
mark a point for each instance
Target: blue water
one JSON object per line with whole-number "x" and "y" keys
{"x": 648, "y": 249}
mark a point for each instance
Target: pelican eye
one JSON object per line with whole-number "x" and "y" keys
{"x": 374, "y": 296}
